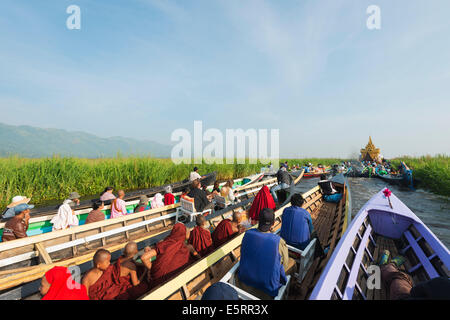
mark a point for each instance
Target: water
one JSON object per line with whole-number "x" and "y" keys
{"x": 432, "y": 209}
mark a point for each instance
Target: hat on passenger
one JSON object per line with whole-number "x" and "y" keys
{"x": 22, "y": 207}
{"x": 74, "y": 195}
{"x": 266, "y": 219}
{"x": 18, "y": 200}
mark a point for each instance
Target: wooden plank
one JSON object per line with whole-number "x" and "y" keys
{"x": 43, "y": 253}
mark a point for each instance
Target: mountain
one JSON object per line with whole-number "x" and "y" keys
{"x": 35, "y": 142}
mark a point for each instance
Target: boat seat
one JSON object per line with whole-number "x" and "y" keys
{"x": 229, "y": 279}
{"x": 304, "y": 258}
{"x": 187, "y": 209}
{"x": 221, "y": 202}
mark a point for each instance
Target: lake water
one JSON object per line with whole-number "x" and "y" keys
{"x": 432, "y": 209}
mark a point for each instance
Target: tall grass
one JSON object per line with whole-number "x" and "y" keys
{"x": 433, "y": 172}
{"x": 51, "y": 179}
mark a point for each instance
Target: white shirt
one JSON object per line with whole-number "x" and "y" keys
{"x": 194, "y": 176}
{"x": 65, "y": 218}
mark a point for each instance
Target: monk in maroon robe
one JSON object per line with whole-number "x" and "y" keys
{"x": 227, "y": 229}
{"x": 200, "y": 237}
{"x": 172, "y": 255}
{"x": 262, "y": 200}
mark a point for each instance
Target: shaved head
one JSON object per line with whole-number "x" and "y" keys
{"x": 120, "y": 193}
{"x": 200, "y": 220}
{"x": 237, "y": 217}
{"x": 101, "y": 256}
{"x": 130, "y": 249}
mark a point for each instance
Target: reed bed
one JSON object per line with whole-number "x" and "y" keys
{"x": 52, "y": 179}
{"x": 432, "y": 172}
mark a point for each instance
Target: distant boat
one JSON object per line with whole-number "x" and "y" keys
{"x": 375, "y": 228}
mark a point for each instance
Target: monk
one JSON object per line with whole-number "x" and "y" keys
{"x": 200, "y": 237}
{"x": 262, "y": 200}
{"x": 136, "y": 272}
{"x": 172, "y": 255}
{"x": 227, "y": 229}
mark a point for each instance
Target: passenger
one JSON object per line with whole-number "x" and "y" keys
{"x": 220, "y": 291}
{"x": 216, "y": 188}
{"x": 227, "y": 229}
{"x": 264, "y": 259}
{"x": 143, "y": 204}
{"x": 326, "y": 185}
{"x": 17, "y": 226}
{"x": 57, "y": 284}
{"x": 172, "y": 255}
{"x": 195, "y": 175}
{"x": 262, "y": 200}
{"x": 157, "y": 201}
{"x": 137, "y": 273}
{"x": 200, "y": 237}
{"x": 118, "y": 206}
{"x": 284, "y": 182}
{"x": 107, "y": 194}
{"x": 9, "y": 211}
{"x": 400, "y": 285}
{"x": 201, "y": 201}
{"x": 96, "y": 214}
{"x": 227, "y": 191}
{"x": 169, "y": 198}
{"x": 297, "y": 228}
{"x": 66, "y": 217}
{"x": 106, "y": 281}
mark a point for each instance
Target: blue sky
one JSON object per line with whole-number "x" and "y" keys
{"x": 143, "y": 68}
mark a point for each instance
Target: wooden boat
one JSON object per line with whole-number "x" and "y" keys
{"x": 76, "y": 246}
{"x": 375, "y": 228}
{"x": 330, "y": 221}
{"x": 40, "y": 223}
{"x": 404, "y": 179}
{"x": 130, "y": 196}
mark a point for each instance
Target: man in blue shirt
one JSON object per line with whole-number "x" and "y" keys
{"x": 296, "y": 227}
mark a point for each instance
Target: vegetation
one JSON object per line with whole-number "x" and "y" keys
{"x": 433, "y": 173}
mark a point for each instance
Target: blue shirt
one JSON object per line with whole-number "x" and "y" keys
{"x": 296, "y": 227}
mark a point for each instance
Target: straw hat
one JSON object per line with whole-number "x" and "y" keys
{"x": 18, "y": 200}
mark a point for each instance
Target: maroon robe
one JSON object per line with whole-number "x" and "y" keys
{"x": 222, "y": 233}
{"x": 200, "y": 239}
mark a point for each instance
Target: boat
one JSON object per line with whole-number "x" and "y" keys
{"x": 40, "y": 223}
{"x": 405, "y": 178}
{"x": 330, "y": 221}
{"x": 208, "y": 179}
{"x": 378, "y": 226}
{"x": 76, "y": 246}
{"x": 309, "y": 175}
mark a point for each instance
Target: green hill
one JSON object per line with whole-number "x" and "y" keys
{"x": 35, "y": 142}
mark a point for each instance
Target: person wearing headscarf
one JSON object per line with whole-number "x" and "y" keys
{"x": 172, "y": 255}
{"x": 143, "y": 204}
{"x": 66, "y": 217}
{"x": 262, "y": 200}
{"x": 157, "y": 201}
{"x": 57, "y": 284}
{"x": 169, "y": 198}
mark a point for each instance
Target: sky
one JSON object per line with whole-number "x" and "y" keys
{"x": 312, "y": 69}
